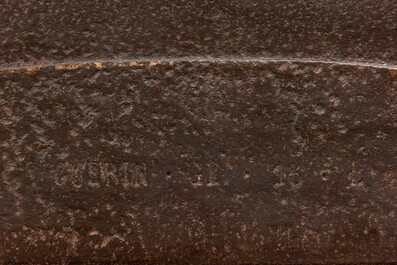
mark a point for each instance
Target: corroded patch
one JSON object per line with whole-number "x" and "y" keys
{"x": 198, "y": 161}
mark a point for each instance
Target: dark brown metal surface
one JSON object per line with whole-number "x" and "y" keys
{"x": 92, "y": 29}
{"x": 207, "y": 132}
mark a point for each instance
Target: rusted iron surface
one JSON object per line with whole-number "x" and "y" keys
{"x": 170, "y": 162}
{"x": 32, "y": 31}
{"x": 204, "y": 132}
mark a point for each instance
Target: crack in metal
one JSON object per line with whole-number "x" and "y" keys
{"x": 152, "y": 61}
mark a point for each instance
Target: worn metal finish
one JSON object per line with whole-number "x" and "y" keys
{"x": 91, "y": 29}
{"x": 198, "y": 132}
{"x": 171, "y": 162}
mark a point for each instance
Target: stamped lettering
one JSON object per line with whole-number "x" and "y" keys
{"x": 99, "y": 173}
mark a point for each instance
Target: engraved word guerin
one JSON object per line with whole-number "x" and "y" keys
{"x": 99, "y": 173}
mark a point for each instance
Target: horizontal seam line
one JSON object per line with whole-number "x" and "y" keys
{"x": 220, "y": 60}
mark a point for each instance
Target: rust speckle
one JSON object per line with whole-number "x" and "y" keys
{"x": 133, "y": 63}
{"x": 33, "y": 69}
{"x": 318, "y": 70}
{"x": 154, "y": 63}
{"x": 13, "y": 71}
{"x": 99, "y": 65}
{"x": 117, "y": 64}
{"x": 68, "y": 66}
